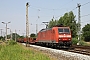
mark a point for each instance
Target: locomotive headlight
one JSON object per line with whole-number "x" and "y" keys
{"x": 69, "y": 39}
{"x": 60, "y": 36}
{"x": 59, "y": 39}
{"x": 68, "y": 35}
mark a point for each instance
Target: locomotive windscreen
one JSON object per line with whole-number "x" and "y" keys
{"x": 63, "y": 30}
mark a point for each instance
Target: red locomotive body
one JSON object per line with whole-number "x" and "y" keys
{"x": 56, "y": 36}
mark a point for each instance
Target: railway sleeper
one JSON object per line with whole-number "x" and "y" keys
{"x": 88, "y": 53}
{"x": 77, "y": 51}
{"x": 84, "y": 51}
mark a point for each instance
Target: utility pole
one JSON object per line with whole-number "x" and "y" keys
{"x": 6, "y": 28}
{"x": 79, "y": 24}
{"x": 36, "y": 28}
{"x": 37, "y": 22}
{"x": 27, "y": 23}
{"x": 53, "y": 14}
{"x": 11, "y": 34}
{"x": 1, "y": 31}
{"x": 15, "y": 35}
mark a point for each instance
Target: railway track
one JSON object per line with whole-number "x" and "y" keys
{"x": 80, "y": 49}
{"x": 85, "y": 50}
{"x": 61, "y": 54}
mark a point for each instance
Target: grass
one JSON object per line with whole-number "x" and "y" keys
{"x": 17, "y": 52}
{"x": 81, "y": 42}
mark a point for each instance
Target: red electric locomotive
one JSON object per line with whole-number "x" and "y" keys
{"x": 57, "y": 36}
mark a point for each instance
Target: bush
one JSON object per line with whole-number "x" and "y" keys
{"x": 12, "y": 42}
{"x": 82, "y": 42}
{"x": 86, "y": 32}
{"x": 74, "y": 41}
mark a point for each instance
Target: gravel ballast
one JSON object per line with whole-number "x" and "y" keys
{"x": 62, "y": 55}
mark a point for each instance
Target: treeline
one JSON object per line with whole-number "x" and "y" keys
{"x": 14, "y": 36}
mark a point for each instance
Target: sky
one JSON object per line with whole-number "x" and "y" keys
{"x": 14, "y": 11}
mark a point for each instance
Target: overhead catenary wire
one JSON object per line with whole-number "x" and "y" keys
{"x": 36, "y": 7}
{"x": 85, "y": 21}
{"x": 53, "y": 9}
{"x": 86, "y": 3}
{"x": 76, "y": 8}
{"x": 85, "y": 15}
{"x": 63, "y": 13}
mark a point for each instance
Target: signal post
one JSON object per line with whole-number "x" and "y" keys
{"x": 27, "y": 24}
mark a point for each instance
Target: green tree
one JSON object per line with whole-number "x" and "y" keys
{"x": 1, "y": 38}
{"x": 21, "y": 37}
{"x": 86, "y": 32}
{"x": 8, "y": 36}
{"x": 13, "y": 36}
{"x": 60, "y": 21}
{"x": 33, "y": 35}
{"x": 52, "y": 23}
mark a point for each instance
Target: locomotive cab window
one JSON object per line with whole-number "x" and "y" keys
{"x": 60, "y": 30}
{"x": 66, "y": 30}
{"x": 63, "y": 30}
